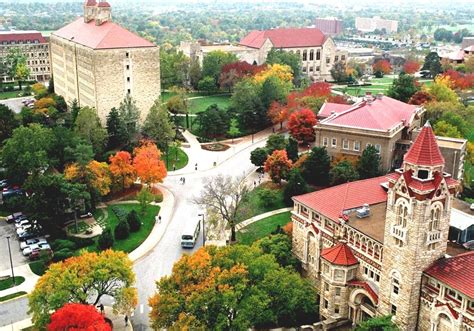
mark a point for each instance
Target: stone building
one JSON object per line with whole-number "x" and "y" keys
{"x": 331, "y": 25}
{"x": 370, "y": 24}
{"x": 388, "y": 124}
{"x": 34, "y": 46}
{"x": 380, "y": 247}
{"x": 317, "y": 51}
{"x": 98, "y": 63}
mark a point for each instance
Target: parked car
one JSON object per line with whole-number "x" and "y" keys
{"x": 471, "y": 207}
{"x": 30, "y": 234}
{"x": 469, "y": 245}
{"x": 13, "y": 217}
{"x": 44, "y": 246}
{"x": 33, "y": 241}
{"x": 22, "y": 223}
{"x": 25, "y": 228}
{"x": 86, "y": 215}
{"x": 3, "y": 183}
{"x": 35, "y": 255}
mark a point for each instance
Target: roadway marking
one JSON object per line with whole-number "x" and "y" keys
{"x": 141, "y": 308}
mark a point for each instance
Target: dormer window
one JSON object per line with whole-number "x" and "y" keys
{"x": 423, "y": 174}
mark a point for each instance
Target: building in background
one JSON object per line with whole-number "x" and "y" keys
{"x": 330, "y": 26}
{"x": 317, "y": 51}
{"x": 98, "y": 63}
{"x": 367, "y": 24}
{"x": 36, "y": 49}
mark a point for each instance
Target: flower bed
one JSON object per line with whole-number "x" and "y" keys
{"x": 215, "y": 147}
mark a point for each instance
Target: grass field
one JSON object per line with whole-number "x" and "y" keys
{"x": 8, "y": 95}
{"x": 201, "y": 104}
{"x": 252, "y": 204}
{"x": 379, "y": 85}
{"x": 180, "y": 159}
{"x": 262, "y": 228}
{"x": 12, "y": 296}
{"x": 7, "y": 283}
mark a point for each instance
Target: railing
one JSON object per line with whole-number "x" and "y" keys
{"x": 398, "y": 232}
{"x": 433, "y": 237}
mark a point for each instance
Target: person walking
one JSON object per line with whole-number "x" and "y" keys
{"x": 184, "y": 180}
{"x": 196, "y": 167}
{"x": 126, "y": 320}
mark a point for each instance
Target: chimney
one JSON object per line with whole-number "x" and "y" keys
{"x": 379, "y": 96}
{"x": 368, "y": 97}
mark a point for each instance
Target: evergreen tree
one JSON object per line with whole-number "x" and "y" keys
{"x": 403, "y": 88}
{"x": 74, "y": 107}
{"x": 292, "y": 149}
{"x": 296, "y": 185}
{"x": 368, "y": 165}
{"x": 106, "y": 240}
{"x": 130, "y": 114}
{"x": 316, "y": 167}
{"x": 116, "y": 129}
{"x": 275, "y": 142}
{"x": 432, "y": 63}
{"x": 51, "y": 85}
{"x": 258, "y": 156}
{"x": 343, "y": 172}
{"x": 158, "y": 126}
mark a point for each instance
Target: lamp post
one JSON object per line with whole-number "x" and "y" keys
{"x": 203, "y": 230}
{"x": 11, "y": 262}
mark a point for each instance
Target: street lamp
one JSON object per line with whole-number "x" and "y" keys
{"x": 11, "y": 262}
{"x": 203, "y": 230}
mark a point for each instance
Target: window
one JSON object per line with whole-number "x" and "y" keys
{"x": 378, "y": 148}
{"x": 128, "y": 67}
{"x": 402, "y": 214}
{"x": 423, "y": 174}
{"x": 393, "y": 309}
{"x": 328, "y": 60}
{"x": 325, "y": 304}
{"x": 395, "y": 284}
{"x": 304, "y": 69}
{"x": 338, "y": 291}
{"x": 326, "y": 269}
{"x": 127, "y": 55}
{"x": 318, "y": 68}
{"x": 336, "y": 58}
{"x": 339, "y": 275}
{"x": 345, "y": 144}
{"x": 334, "y": 142}
{"x": 129, "y": 91}
{"x": 343, "y": 57}
{"x": 326, "y": 287}
{"x": 325, "y": 142}
{"x": 336, "y": 309}
{"x": 357, "y": 145}
{"x": 305, "y": 55}
{"x": 435, "y": 217}
{"x": 128, "y": 79}
{"x": 318, "y": 54}
{"x": 310, "y": 69}
{"x": 311, "y": 55}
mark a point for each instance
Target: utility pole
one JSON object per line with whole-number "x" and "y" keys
{"x": 11, "y": 262}
{"x": 203, "y": 230}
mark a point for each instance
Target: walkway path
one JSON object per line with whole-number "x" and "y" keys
{"x": 24, "y": 271}
{"x": 257, "y": 218}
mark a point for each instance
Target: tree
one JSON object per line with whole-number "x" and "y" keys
{"x": 213, "y": 122}
{"x": 403, "y": 88}
{"x": 343, "y": 172}
{"x": 432, "y": 64}
{"x": 296, "y": 185}
{"x": 338, "y": 71}
{"x": 441, "y": 90}
{"x": 278, "y": 166}
{"x": 148, "y": 166}
{"x": 231, "y": 288}
{"x": 277, "y": 56}
{"x": 275, "y": 142}
{"x": 258, "y": 156}
{"x": 195, "y": 73}
{"x": 222, "y": 195}
{"x": 16, "y": 65}
{"x": 274, "y": 89}
{"x": 301, "y": 125}
{"x": 83, "y": 279}
{"x": 316, "y": 167}
{"x": 445, "y": 129}
{"x": 27, "y": 152}
{"x": 174, "y": 68}
{"x": 74, "y": 108}
{"x": 233, "y": 129}
{"x": 130, "y": 115}
{"x": 116, "y": 129}
{"x": 133, "y": 221}
{"x": 88, "y": 127}
{"x": 292, "y": 149}
{"x": 248, "y": 106}
{"x": 377, "y": 324}
{"x": 76, "y": 316}
{"x": 420, "y": 98}
{"x": 381, "y": 67}
{"x": 207, "y": 84}
{"x": 469, "y": 64}
{"x": 122, "y": 170}
{"x": 8, "y": 122}
{"x": 411, "y": 66}
{"x": 122, "y": 230}
{"x": 106, "y": 239}
{"x": 144, "y": 198}
{"x": 213, "y": 62}
{"x": 277, "y": 113}
{"x": 22, "y": 72}
{"x": 158, "y": 126}
{"x": 368, "y": 165}
{"x": 95, "y": 175}
{"x": 280, "y": 71}
{"x": 232, "y": 73}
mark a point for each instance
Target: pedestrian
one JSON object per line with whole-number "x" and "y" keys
{"x": 254, "y": 183}
{"x": 126, "y": 320}
{"x": 101, "y": 307}
{"x": 184, "y": 180}
{"x": 273, "y": 128}
{"x": 159, "y": 219}
{"x": 196, "y": 167}
{"x": 174, "y": 167}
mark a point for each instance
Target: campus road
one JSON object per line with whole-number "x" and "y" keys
{"x": 159, "y": 261}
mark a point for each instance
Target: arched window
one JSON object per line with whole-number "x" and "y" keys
{"x": 311, "y": 55}
{"x": 402, "y": 214}
{"x": 298, "y": 52}
{"x": 395, "y": 281}
{"x": 435, "y": 217}
{"x": 318, "y": 54}
{"x": 305, "y": 55}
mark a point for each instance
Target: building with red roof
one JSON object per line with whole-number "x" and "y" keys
{"x": 99, "y": 63}
{"x": 317, "y": 51}
{"x": 34, "y": 46}
{"x": 386, "y": 123}
{"x": 379, "y": 246}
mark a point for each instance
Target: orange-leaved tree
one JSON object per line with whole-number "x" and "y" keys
{"x": 278, "y": 165}
{"x": 122, "y": 170}
{"x": 76, "y": 316}
{"x": 301, "y": 125}
{"x": 411, "y": 66}
{"x": 147, "y": 163}
{"x": 381, "y": 67}
{"x": 277, "y": 113}
{"x": 95, "y": 175}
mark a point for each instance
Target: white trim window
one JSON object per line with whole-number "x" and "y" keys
{"x": 378, "y": 148}
{"x": 325, "y": 141}
{"x": 345, "y": 144}
{"x": 334, "y": 142}
{"x": 357, "y": 145}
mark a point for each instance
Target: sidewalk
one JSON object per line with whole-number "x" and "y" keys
{"x": 27, "y": 286}
{"x": 257, "y": 218}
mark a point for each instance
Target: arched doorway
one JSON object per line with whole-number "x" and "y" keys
{"x": 444, "y": 323}
{"x": 361, "y": 306}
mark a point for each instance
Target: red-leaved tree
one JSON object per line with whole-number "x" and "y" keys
{"x": 148, "y": 166}
{"x": 382, "y": 66}
{"x": 277, "y": 113}
{"x": 410, "y": 67}
{"x": 420, "y": 98}
{"x": 76, "y": 316}
{"x": 301, "y": 125}
{"x": 460, "y": 80}
{"x": 233, "y": 72}
{"x": 278, "y": 166}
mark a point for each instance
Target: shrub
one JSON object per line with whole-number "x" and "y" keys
{"x": 62, "y": 254}
{"x": 82, "y": 242}
{"x": 120, "y": 213}
{"x": 122, "y": 230}
{"x": 133, "y": 221}
{"x": 60, "y": 244}
{"x": 106, "y": 240}
{"x": 267, "y": 197}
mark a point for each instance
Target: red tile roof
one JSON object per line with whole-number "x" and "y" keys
{"x": 456, "y": 272}
{"x": 367, "y": 287}
{"x": 340, "y": 254}
{"x": 425, "y": 150}
{"x": 105, "y": 36}
{"x": 379, "y": 114}
{"x": 333, "y": 200}
{"x": 285, "y": 38}
{"x": 469, "y": 48}
{"x": 328, "y": 108}
{"x": 103, "y": 4}
{"x": 91, "y": 3}
{"x": 21, "y": 36}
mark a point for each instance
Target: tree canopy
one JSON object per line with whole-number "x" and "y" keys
{"x": 76, "y": 316}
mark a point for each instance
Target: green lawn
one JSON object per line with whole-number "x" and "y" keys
{"x": 81, "y": 227}
{"x": 38, "y": 267}
{"x": 201, "y": 104}
{"x": 252, "y": 204}
{"x": 7, "y": 283}
{"x": 9, "y": 95}
{"x": 12, "y": 296}
{"x": 262, "y": 228}
{"x": 379, "y": 85}
{"x": 177, "y": 157}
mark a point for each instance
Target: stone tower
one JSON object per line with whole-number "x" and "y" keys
{"x": 100, "y": 12}
{"x": 90, "y": 7}
{"x": 416, "y": 228}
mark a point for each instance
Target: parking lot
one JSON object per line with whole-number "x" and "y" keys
{"x": 17, "y": 258}
{"x": 16, "y": 103}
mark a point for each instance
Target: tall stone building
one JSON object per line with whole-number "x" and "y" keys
{"x": 380, "y": 247}
{"x": 98, "y": 63}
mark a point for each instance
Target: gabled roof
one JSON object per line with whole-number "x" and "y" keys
{"x": 21, "y": 36}
{"x": 366, "y": 286}
{"x": 332, "y": 201}
{"x": 469, "y": 48}
{"x": 425, "y": 150}
{"x": 340, "y": 254}
{"x": 105, "y": 36}
{"x": 285, "y": 38}
{"x": 456, "y": 272}
{"x": 381, "y": 114}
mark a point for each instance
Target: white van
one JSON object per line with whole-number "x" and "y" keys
{"x": 190, "y": 234}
